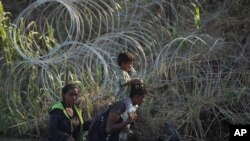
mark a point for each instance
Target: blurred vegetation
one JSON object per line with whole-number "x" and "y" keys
{"x": 198, "y": 77}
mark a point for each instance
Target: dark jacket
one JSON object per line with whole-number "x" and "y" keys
{"x": 97, "y": 129}
{"x": 61, "y": 126}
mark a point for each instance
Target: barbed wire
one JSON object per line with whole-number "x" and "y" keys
{"x": 84, "y": 38}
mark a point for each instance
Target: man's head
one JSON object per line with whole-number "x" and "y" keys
{"x": 138, "y": 92}
{"x": 125, "y": 60}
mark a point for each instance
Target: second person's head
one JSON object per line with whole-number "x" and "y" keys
{"x": 138, "y": 92}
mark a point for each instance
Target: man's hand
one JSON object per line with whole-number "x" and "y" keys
{"x": 132, "y": 117}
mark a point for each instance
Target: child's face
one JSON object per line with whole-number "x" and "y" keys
{"x": 126, "y": 66}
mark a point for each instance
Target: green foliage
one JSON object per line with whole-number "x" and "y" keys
{"x": 33, "y": 43}
{"x": 5, "y": 42}
{"x": 21, "y": 107}
{"x": 197, "y": 16}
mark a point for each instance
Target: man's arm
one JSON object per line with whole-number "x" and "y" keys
{"x": 115, "y": 115}
{"x": 112, "y": 126}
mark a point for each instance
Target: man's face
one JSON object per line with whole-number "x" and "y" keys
{"x": 140, "y": 99}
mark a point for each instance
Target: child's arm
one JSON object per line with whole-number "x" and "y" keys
{"x": 132, "y": 81}
{"x": 132, "y": 73}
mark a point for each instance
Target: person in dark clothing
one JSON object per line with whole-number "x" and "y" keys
{"x": 66, "y": 122}
{"x": 108, "y": 126}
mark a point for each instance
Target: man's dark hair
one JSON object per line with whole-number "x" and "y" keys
{"x": 124, "y": 57}
{"x": 68, "y": 87}
{"x": 138, "y": 89}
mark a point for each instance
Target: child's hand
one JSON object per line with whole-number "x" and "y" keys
{"x": 136, "y": 81}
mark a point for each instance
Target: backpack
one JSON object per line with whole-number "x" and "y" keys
{"x": 97, "y": 129}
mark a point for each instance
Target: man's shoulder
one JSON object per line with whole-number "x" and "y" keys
{"x": 119, "y": 103}
{"x": 118, "y": 107}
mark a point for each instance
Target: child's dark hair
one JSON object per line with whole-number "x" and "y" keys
{"x": 68, "y": 87}
{"x": 124, "y": 57}
{"x": 138, "y": 89}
